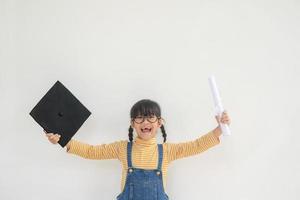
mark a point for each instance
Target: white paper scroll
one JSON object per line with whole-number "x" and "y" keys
{"x": 218, "y": 104}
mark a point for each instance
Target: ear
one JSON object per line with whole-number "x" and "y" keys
{"x": 160, "y": 122}
{"x": 132, "y": 124}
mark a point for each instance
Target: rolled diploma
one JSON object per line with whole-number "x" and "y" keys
{"x": 218, "y": 104}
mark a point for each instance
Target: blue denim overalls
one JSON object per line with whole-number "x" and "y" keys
{"x": 143, "y": 184}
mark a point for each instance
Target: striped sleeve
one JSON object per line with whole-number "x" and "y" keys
{"x": 96, "y": 152}
{"x": 181, "y": 150}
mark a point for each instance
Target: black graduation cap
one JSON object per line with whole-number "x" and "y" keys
{"x": 59, "y": 111}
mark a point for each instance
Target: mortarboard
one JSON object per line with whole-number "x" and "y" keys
{"x": 59, "y": 111}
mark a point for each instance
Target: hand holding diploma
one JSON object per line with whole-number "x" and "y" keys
{"x": 224, "y": 119}
{"x": 221, "y": 115}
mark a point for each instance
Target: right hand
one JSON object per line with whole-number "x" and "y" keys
{"x": 52, "y": 137}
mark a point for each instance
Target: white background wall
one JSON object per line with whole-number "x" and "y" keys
{"x": 111, "y": 54}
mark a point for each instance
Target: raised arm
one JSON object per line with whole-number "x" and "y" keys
{"x": 201, "y": 144}
{"x": 98, "y": 152}
{"x": 190, "y": 148}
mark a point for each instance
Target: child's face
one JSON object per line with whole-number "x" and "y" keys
{"x": 146, "y": 127}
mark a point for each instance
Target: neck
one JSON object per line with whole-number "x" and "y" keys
{"x": 142, "y": 142}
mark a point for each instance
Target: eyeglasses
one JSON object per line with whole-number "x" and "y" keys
{"x": 141, "y": 119}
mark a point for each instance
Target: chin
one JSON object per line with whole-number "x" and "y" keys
{"x": 145, "y": 138}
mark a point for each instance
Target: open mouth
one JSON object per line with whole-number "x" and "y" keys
{"x": 146, "y": 130}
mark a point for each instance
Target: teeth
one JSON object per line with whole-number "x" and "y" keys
{"x": 146, "y": 129}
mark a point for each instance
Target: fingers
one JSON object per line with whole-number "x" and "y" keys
{"x": 53, "y": 138}
{"x": 224, "y": 119}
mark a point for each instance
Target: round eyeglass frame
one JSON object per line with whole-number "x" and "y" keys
{"x": 148, "y": 119}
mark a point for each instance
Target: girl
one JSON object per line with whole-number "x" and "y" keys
{"x": 144, "y": 161}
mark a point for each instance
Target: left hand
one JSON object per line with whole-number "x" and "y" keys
{"x": 224, "y": 119}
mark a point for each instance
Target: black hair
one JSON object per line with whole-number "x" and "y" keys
{"x": 145, "y": 107}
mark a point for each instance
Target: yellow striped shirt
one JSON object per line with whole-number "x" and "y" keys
{"x": 144, "y": 153}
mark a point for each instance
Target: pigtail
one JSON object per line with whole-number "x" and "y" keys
{"x": 163, "y": 133}
{"x": 130, "y": 134}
